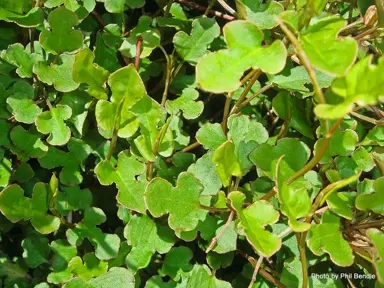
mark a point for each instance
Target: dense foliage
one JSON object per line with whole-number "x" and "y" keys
{"x": 174, "y": 143}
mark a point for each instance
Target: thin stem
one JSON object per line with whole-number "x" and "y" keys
{"x": 98, "y": 18}
{"x": 350, "y": 13}
{"x": 221, "y": 233}
{"x": 248, "y": 100}
{"x": 123, "y": 24}
{"x": 255, "y": 271}
{"x": 210, "y": 6}
{"x": 214, "y": 209}
{"x": 139, "y": 44}
{"x": 366, "y": 33}
{"x": 227, "y": 106}
{"x": 303, "y": 257}
{"x": 254, "y": 76}
{"x": 367, "y": 119}
{"x": 378, "y": 223}
{"x": 116, "y": 127}
{"x": 167, "y": 77}
{"x": 202, "y": 8}
{"x": 191, "y": 147}
{"x": 305, "y": 61}
{"x": 168, "y": 8}
{"x": 228, "y": 8}
{"x": 322, "y": 150}
{"x": 248, "y": 76}
{"x": 284, "y": 129}
{"x": 270, "y": 194}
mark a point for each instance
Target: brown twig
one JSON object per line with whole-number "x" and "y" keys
{"x": 203, "y": 9}
{"x": 99, "y": 19}
{"x": 257, "y": 268}
{"x": 138, "y": 52}
{"x": 221, "y": 233}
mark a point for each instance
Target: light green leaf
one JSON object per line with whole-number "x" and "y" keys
{"x": 327, "y": 238}
{"x": 36, "y": 250}
{"x": 341, "y": 52}
{"x": 202, "y": 277}
{"x": 73, "y": 199}
{"x": 342, "y": 204}
{"x": 375, "y": 136}
{"x": 373, "y": 201}
{"x": 5, "y": 170}
{"x": 61, "y": 38}
{"x": 244, "y": 51}
{"x": 19, "y": 57}
{"x": 131, "y": 191}
{"x": 27, "y": 143}
{"x": 263, "y": 15}
{"x": 186, "y": 103}
{"x": 366, "y": 91}
{"x": 15, "y": 206}
{"x": 85, "y": 71}
{"x": 146, "y": 237}
{"x": 253, "y": 220}
{"x": 227, "y": 164}
{"x": 58, "y": 75}
{"x": 180, "y": 202}
{"x": 114, "y": 6}
{"x": 106, "y": 245}
{"x": 91, "y": 268}
{"x": 32, "y": 18}
{"x": 52, "y": 122}
{"x": 211, "y": 136}
{"x": 21, "y": 102}
{"x": 176, "y": 262}
{"x": 191, "y": 48}
{"x": 116, "y": 277}
{"x": 377, "y": 238}
{"x": 157, "y": 282}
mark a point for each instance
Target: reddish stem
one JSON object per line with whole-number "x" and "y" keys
{"x": 202, "y": 8}
{"x": 138, "y": 51}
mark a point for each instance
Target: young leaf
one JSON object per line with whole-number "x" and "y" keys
{"x": 106, "y": 245}
{"x": 253, "y": 220}
{"x": 327, "y": 238}
{"x": 131, "y": 191}
{"x": 191, "y": 48}
{"x": 146, "y": 237}
{"x": 211, "y": 136}
{"x": 91, "y": 268}
{"x": 373, "y": 201}
{"x": 341, "y": 52}
{"x": 227, "y": 164}
{"x": 17, "y": 56}
{"x": 85, "y": 71}
{"x": 52, "y": 122}
{"x": 64, "y": 252}
{"x": 180, "y": 202}
{"x": 366, "y": 91}
{"x": 15, "y": 206}
{"x": 244, "y": 51}
{"x": 342, "y": 204}
{"x": 61, "y": 38}
{"x": 186, "y": 103}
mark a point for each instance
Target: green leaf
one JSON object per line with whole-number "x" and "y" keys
{"x": 211, "y": 136}
{"x": 375, "y": 136}
{"x": 12, "y": 272}
{"x": 244, "y": 51}
{"x": 290, "y": 108}
{"x": 263, "y": 15}
{"x": 253, "y": 220}
{"x": 176, "y": 262}
{"x": 131, "y": 191}
{"x": 366, "y": 91}
{"x": 191, "y": 48}
{"x": 377, "y": 238}
{"x": 151, "y": 39}
{"x": 205, "y": 171}
{"x": 36, "y": 250}
{"x": 342, "y": 204}
{"x": 19, "y": 57}
{"x": 363, "y": 159}
{"x": 114, "y": 6}
{"x": 227, "y": 164}
{"x": 61, "y": 38}
{"x": 73, "y": 199}
{"x": 246, "y": 135}
{"x": 85, "y": 71}
{"x": 186, "y": 103}
{"x": 91, "y": 268}
{"x": 327, "y": 238}
{"x": 106, "y": 245}
{"x": 70, "y": 161}
{"x": 341, "y": 52}
{"x": 296, "y": 155}
{"x": 32, "y": 18}
{"x": 64, "y": 252}
{"x": 15, "y": 206}
{"x": 27, "y": 143}
{"x": 21, "y": 103}
{"x": 116, "y": 277}
{"x": 146, "y": 237}
{"x": 373, "y": 201}
{"x": 202, "y": 277}
{"x": 58, "y": 75}
{"x": 294, "y": 199}
{"x": 157, "y": 282}
{"x": 162, "y": 198}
